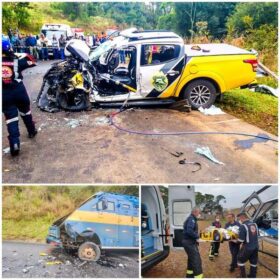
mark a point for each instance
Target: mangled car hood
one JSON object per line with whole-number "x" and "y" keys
{"x": 78, "y": 49}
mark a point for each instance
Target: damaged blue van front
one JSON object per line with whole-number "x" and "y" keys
{"x": 104, "y": 221}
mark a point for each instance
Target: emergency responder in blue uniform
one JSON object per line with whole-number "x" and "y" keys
{"x": 190, "y": 243}
{"x": 15, "y": 98}
{"x": 248, "y": 237}
{"x": 215, "y": 246}
{"x": 233, "y": 246}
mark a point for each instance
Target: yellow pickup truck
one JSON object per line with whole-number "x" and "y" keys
{"x": 155, "y": 67}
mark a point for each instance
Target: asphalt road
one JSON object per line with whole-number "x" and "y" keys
{"x": 29, "y": 260}
{"x": 83, "y": 148}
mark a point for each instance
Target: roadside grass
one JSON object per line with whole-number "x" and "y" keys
{"x": 255, "y": 108}
{"x": 28, "y": 211}
{"x": 28, "y": 230}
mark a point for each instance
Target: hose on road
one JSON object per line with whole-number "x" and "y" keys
{"x": 178, "y": 133}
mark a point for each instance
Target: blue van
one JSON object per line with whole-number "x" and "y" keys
{"x": 104, "y": 221}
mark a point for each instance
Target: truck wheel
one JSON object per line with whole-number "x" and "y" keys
{"x": 200, "y": 93}
{"x": 89, "y": 251}
{"x": 78, "y": 102}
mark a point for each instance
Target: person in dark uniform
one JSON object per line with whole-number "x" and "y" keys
{"x": 15, "y": 97}
{"x": 248, "y": 237}
{"x": 190, "y": 243}
{"x": 215, "y": 246}
{"x": 233, "y": 246}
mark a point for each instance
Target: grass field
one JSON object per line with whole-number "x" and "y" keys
{"x": 253, "y": 107}
{"x": 29, "y": 211}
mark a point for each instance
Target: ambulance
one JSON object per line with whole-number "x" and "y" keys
{"x": 161, "y": 226}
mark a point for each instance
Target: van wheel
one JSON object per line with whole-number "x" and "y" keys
{"x": 89, "y": 251}
{"x": 200, "y": 93}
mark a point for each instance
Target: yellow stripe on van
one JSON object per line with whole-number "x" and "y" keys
{"x": 103, "y": 218}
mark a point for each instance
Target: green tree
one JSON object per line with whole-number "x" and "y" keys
{"x": 15, "y": 15}
{"x": 252, "y": 16}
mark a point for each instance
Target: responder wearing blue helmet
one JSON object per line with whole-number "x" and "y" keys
{"x": 248, "y": 237}
{"x": 190, "y": 244}
{"x": 15, "y": 98}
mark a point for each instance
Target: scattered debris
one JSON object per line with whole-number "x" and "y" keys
{"x": 7, "y": 170}
{"x": 82, "y": 264}
{"x": 205, "y": 151}
{"x": 121, "y": 265}
{"x": 101, "y": 120}
{"x": 212, "y": 111}
{"x": 182, "y": 105}
{"x": 25, "y": 270}
{"x": 73, "y": 123}
{"x": 175, "y": 154}
{"x": 53, "y": 262}
{"x": 265, "y": 89}
{"x": 184, "y": 161}
{"x": 68, "y": 262}
{"x": 4, "y": 269}
{"x": 43, "y": 254}
{"x": 6, "y": 150}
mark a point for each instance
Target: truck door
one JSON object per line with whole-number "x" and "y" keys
{"x": 252, "y": 205}
{"x": 107, "y": 222}
{"x": 125, "y": 224}
{"x": 160, "y": 67}
{"x": 181, "y": 200}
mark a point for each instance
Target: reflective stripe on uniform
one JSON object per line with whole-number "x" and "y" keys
{"x": 241, "y": 264}
{"x": 25, "y": 114}
{"x": 240, "y": 240}
{"x": 189, "y": 271}
{"x": 15, "y": 119}
{"x": 247, "y": 233}
{"x": 254, "y": 265}
{"x": 198, "y": 276}
{"x": 16, "y": 69}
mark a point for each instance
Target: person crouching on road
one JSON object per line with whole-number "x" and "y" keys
{"x": 248, "y": 237}
{"x": 233, "y": 246}
{"x": 190, "y": 243}
{"x": 15, "y": 97}
{"x": 215, "y": 246}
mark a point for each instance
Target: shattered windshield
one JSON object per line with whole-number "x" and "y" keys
{"x": 103, "y": 48}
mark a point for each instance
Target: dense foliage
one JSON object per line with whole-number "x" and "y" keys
{"x": 250, "y": 25}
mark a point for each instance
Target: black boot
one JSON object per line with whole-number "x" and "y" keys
{"x": 242, "y": 271}
{"x": 14, "y": 146}
{"x": 253, "y": 272}
{"x": 30, "y": 125}
{"x": 32, "y": 134}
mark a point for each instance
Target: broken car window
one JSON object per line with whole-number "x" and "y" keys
{"x": 158, "y": 54}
